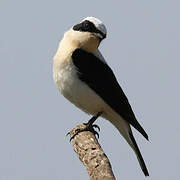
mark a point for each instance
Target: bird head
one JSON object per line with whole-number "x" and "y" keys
{"x": 86, "y": 35}
{"x": 93, "y": 26}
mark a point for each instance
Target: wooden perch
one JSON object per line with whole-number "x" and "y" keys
{"x": 91, "y": 154}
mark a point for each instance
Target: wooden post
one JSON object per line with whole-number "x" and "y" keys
{"x": 91, "y": 154}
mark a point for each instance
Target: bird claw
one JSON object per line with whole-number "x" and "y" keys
{"x": 68, "y": 134}
{"x": 96, "y": 133}
{"x": 96, "y": 126}
{"x": 76, "y": 133}
{"x": 89, "y": 127}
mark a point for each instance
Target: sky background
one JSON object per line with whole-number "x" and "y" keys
{"x": 142, "y": 48}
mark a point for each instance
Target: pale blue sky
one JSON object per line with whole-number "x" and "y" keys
{"x": 143, "y": 49}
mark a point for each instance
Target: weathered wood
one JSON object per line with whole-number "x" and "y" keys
{"x": 91, "y": 154}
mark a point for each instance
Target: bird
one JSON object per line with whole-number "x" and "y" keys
{"x": 83, "y": 76}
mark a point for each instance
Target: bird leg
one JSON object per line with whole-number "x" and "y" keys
{"x": 89, "y": 126}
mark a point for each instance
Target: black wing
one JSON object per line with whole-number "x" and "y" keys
{"x": 99, "y": 77}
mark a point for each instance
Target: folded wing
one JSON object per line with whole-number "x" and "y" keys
{"x": 99, "y": 77}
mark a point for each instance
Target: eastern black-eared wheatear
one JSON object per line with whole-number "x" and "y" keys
{"x": 85, "y": 79}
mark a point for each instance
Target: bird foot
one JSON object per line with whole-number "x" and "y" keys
{"x": 89, "y": 127}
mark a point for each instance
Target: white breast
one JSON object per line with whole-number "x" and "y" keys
{"x": 77, "y": 91}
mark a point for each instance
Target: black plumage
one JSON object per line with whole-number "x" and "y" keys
{"x": 88, "y": 26}
{"x": 100, "y": 78}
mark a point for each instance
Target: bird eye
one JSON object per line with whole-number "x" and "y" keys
{"x": 86, "y": 25}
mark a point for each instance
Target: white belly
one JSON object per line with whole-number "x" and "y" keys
{"x": 77, "y": 91}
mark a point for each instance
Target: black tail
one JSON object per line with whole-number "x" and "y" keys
{"x": 139, "y": 156}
